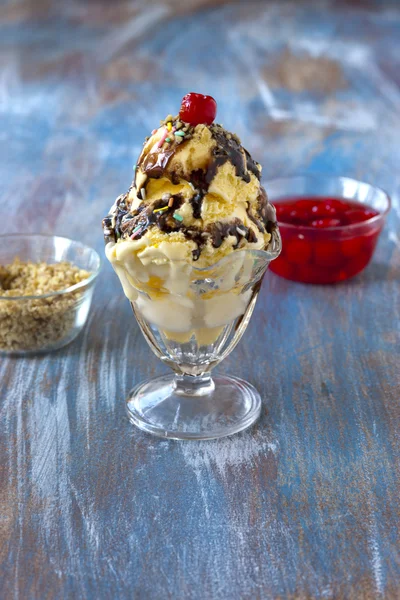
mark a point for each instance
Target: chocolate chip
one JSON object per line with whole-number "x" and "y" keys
{"x": 196, "y": 254}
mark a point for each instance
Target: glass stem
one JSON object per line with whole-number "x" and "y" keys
{"x": 194, "y": 385}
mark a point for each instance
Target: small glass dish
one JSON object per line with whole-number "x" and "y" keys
{"x": 330, "y": 254}
{"x": 192, "y": 330}
{"x": 40, "y": 323}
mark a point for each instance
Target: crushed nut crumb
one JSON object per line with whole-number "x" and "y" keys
{"x": 37, "y": 323}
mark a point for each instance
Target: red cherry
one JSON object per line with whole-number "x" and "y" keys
{"x": 197, "y": 108}
{"x": 322, "y": 256}
{"x": 338, "y": 205}
{"x": 325, "y": 222}
{"x": 289, "y": 213}
{"x": 323, "y": 209}
{"x": 305, "y": 204}
{"x": 327, "y": 254}
{"x": 299, "y": 215}
{"x": 351, "y": 247}
{"x": 298, "y": 251}
{"x": 283, "y": 268}
{"x": 359, "y": 215}
{"x": 356, "y": 265}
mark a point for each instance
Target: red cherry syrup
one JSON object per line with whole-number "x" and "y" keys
{"x": 318, "y": 246}
{"x": 197, "y": 109}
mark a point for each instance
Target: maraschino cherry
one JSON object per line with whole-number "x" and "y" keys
{"x": 325, "y": 239}
{"x": 323, "y": 213}
{"x": 198, "y": 109}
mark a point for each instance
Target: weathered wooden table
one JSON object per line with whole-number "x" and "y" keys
{"x": 304, "y": 505}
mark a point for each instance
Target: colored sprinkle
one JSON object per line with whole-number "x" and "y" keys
{"x": 135, "y": 232}
{"x": 241, "y": 231}
{"x": 134, "y": 167}
{"x": 162, "y": 139}
{"x": 180, "y": 133}
{"x": 169, "y": 126}
{"x": 165, "y": 137}
{"x": 154, "y": 132}
{"x": 178, "y": 217}
{"x": 143, "y": 193}
{"x": 160, "y": 209}
{"x": 171, "y": 201}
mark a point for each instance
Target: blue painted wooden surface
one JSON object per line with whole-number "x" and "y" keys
{"x": 306, "y": 504}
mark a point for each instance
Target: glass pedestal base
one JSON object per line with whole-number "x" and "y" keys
{"x": 193, "y": 408}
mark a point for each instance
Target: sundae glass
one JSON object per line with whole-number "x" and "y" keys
{"x": 190, "y": 242}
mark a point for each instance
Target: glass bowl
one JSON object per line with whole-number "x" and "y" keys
{"x": 36, "y": 324}
{"x": 330, "y": 254}
{"x": 191, "y": 330}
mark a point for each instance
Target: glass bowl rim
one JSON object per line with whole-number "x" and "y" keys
{"x": 68, "y": 290}
{"x": 326, "y": 178}
{"x": 264, "y": 254}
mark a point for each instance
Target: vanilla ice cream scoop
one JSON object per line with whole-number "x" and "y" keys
{"x": 197, "y": 188}
{"x": 196, "y": 198}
